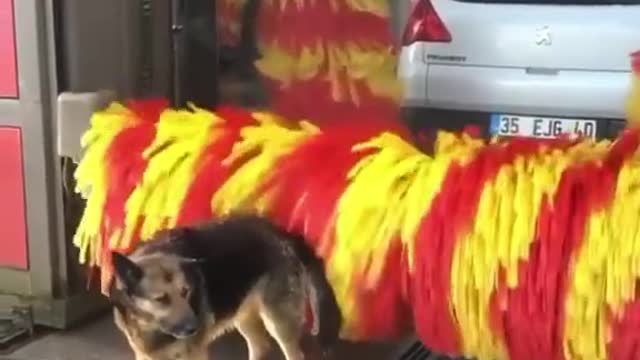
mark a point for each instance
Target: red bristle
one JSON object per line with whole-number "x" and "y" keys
{"x": 624, "y": 146}
{"x": 312, "y": 100}
{"x": 389, "y": 315}
{"x": 431, "y": 312}
{"x": 148, "y": 109}
{"x": 234, "y": 116}
{"x": 544, "y": 278}
{"x": 625, "y": 338}
{"x": 295, "y": 27}
{"x": 306, "y": 196}
{"x": 448, "y": 219}
{"x": 473, "y": 131}
{"x": 534, "y": 318}
{"x": 451, "y": 216}
{"x": 625, "y": 344}
{"x": 209, "y": 177}
{"x": 211, "y": 172}
{"x": 126, "y": 167}
{"x": 315, "y": 217}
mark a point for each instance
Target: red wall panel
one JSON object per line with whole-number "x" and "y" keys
{"x": 8, "y": 68}
{"x": 13, "y": 225}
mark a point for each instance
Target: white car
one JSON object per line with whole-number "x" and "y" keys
{"x": 535, "y": 68}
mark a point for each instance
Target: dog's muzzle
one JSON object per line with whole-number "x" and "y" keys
{"x": 185, "y": 328}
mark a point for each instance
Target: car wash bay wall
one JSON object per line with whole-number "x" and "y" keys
{"x": 33, "y": 250}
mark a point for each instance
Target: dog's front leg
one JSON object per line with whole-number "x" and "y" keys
{"x": 253, "y": 331}
{"x": 287, "y": 335}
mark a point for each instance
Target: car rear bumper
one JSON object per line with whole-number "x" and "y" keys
{"x": 543, "y": 92}
{"x": 420, "y": 119}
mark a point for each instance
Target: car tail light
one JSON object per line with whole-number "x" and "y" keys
{"x": 425, "y": 25}
{"x": 635, "y": 61}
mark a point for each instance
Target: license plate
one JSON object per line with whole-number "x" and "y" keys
{"x": 540, "y": 127}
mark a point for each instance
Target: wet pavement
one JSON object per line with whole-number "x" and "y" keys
{"x": 100, "y": 340}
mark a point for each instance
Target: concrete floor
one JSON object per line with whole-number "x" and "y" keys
{"x": 100, "y": 340}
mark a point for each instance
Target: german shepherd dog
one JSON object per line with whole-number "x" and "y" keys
{"x": 177, "y": 293}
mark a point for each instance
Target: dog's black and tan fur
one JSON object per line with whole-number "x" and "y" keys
{"x": 177, "y": 293}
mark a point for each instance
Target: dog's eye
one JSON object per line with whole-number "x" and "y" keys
{"x": 162, "y": 299}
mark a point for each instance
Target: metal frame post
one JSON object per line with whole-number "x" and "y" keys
{"x": 195, "y": 53}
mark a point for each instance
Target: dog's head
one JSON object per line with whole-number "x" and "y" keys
{"x": 161, "y": 290}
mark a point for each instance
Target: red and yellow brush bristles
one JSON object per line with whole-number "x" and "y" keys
{"x": 307, "y": 57}
{"x": 213, "y": 170}
{"x": 180, "y": 138}
{"x": 515, "y": 249}
{"x": 308, "y": 61}
{"x": 366, "y": 226}
{"x": 258, "y": 151}
{"x": 125, "y": 168}
{"x": 605, "y": 269}
{"x": 92, "y": 177}
{"x": 304, "y": 198}
{"x": 499, "y": 237}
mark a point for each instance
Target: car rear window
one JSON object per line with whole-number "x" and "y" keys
{"x": 558, "y": 2}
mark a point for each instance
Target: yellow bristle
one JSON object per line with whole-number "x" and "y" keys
{"x": 605, "y": 272}
{"x": 92, "y": 177}
{"x": 266, "y": 142}
{"x": 181, "y": 138}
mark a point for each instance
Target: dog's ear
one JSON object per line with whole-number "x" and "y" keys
{"x": 174, "y": 234}
{"x": 126, "y": 270}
